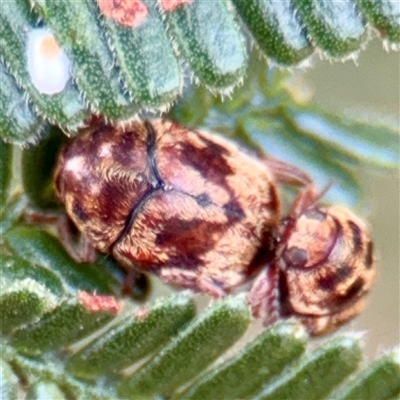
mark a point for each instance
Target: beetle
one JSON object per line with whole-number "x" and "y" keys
{"x": 323, "y": 268}
{"x": 203, "y": 214}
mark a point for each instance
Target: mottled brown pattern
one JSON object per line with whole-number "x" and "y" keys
{"x": 357, "y": 236}
{"x": 100, "y": 179}
{"x": 369, "y": 256}
{"x": 182, "y": 204}
{"x": 326, "y": 266}
{"x": 200, "y": 213}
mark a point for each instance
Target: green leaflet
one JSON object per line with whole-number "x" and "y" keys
{"x": 41, "y": 248}
{"x": 316, "y": 375}
{"x": 379, "y": 381}
{"x": 22, "y": 302}
{"x": 70, "y": 321}
{"x": 336, "y": 27}
{"x": 76, "y": 26}
{"x": 208, "y": 39}
{"x": 148, "y": 66}
{"x": 133, "y": 338}
{"x": 5, "y": 172}
{"x": 66, "y": 108}
{"x": 38, "y": 168}
{"x": 18, "y": 122}
{"x": 384, "y": 16}
{"x": 45, "y": 390}
{"x": 8, "y": 382}
{"x": 248, "y": 371}
{"x": 276, "y": 29}
{"x": 14, "y": 269}
{"x": 122, "y": 70}
{"x": 191, "y": 351}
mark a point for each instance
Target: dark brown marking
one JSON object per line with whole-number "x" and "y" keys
{"x": 369, "y": 256}
{"x": 352, "y": 292}
{"x": 79, "y": 212}
{"x": 203, "y": 200}
{"x": 233, "y": 211}
{"x": 327, "y": 282}
{"x": 215, "y": 147}
{"x": 285, "y": 308}
{"x": 357, "y": 237}
{"x": 295, "y": 257}
{"x": 121, "y": 151}
{"x": 175, "y": 227}
{"x": 208, "y": 161}
{"x": 343, "y": 272}
{"x": 265, "y": 254}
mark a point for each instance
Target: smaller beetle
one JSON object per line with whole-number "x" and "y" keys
{"x": 202, "y": 214}
{"x": 323, "y": 268}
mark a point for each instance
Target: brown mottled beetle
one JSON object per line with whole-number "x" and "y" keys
{"x": 202, "y": 214}
{"x": 322, "y": 270}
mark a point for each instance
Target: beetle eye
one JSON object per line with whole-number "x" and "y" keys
{"x": 295, "y": 257}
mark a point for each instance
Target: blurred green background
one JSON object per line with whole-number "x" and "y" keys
{"x": 371, "y": 90}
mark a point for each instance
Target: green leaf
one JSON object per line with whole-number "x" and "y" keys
{"x": 40, "y": 248}
{"x": 379, "y": 381}
{"x": 244, "y": 374}
{"x": 336, "y": 27}
{"x": 209, "y": 40}
{"x": 134, "y": 338}
{"x": 368, "y": 144}
{"x": 5, "y": 172}
{"x": 384, "y": 16}
{"x": 76, "y": 26}
{"x": 18, "y": 122}
{"x": 66, "y": 108}
{"x": 276, "y": 29}
{"x": 11, "y": 213}
{"x": 191, "y": 351}
{"x": 121, "y": 69}
{"x": 316, "y": 375}
{"x": 8, "y": 382}
{"x": 14, "y": 269}
{"x": 38, "y": 168}
{"x": 72, "y": 320}
{"x": 45, "y": 390}
{"x": 22, "y": 302}
{"x": 146, "y": 59}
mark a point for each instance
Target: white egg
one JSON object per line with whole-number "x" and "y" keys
{"x": 48, "y": 65}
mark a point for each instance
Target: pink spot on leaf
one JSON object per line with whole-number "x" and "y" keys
{"x": 129, "y": 13}
{"x": 171, "y": 5}
{"x": 98, "y": 303}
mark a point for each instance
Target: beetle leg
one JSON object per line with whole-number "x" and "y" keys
{"x": 308, "y": 197}
{"x": 263, "y": 297}
{"x": 133, "y": 282}
{"x": 80, "y": 250}
{"x": 191, "y": 280}
{"x": 286, "y": 173}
